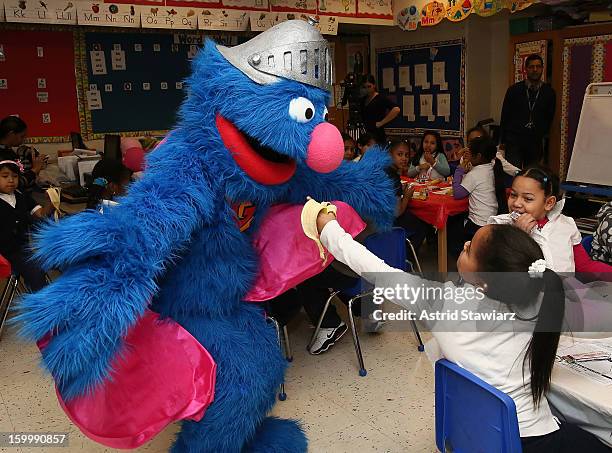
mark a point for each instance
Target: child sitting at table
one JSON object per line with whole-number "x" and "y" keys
{"x": 18, "y": 212}
{"x": 364, "y": 142}
{"x": 110, "y": 179}
{"x": 350, "y": 147}
{"x": 484, "y": 184}
{"x": 501, "y": 262}
{"x": 416, "y": 229}
{"x": 535, "y": 206}
{"x": 430, "y": 161}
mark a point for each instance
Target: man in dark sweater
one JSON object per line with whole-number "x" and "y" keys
{"x": 528, "y": 111}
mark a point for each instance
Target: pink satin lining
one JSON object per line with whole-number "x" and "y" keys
{"x": 162, "y": 375}
{"x": 286, "y": 256}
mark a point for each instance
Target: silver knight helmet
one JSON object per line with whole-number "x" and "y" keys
{"x": 293, "y": 50}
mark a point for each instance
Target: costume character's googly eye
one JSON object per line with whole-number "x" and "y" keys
{"x": 301, "y": 110}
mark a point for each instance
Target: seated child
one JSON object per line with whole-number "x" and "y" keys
{"x": 110, "y": 179}
{"x": 535, "y": 206}
{"x": 483, "y": 183}
{"x": 18, "y": 212}
{"x": 350, "y": 147}
{"x": 597, "y": 266}
{"x": 416, "y": 229}
{"x": 364, "y": 142}
{"x": 517, "y": 362}
{"x": 430, "y": 161}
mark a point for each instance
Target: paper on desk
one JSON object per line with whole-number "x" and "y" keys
{"x": 599, "y": 371}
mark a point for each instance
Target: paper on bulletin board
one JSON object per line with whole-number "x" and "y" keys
{"x": 118, "y": 60}
{"x": 41, "y": 12}
{"x": 261, "y": 21}
{"x": 420, "y": 76}
{"x": 98, "y": 62}
{"x": 404, "y": 78}
{"x": 337, "y": 7}
{"x": 293, "y": 5}
{"x": 389, "y": 79}
{"x": 439, "y": 74}
{"x": 230, "y": 20}
{"x": 247, "y": 4}
{"x": 108, "y": 14}
{"x": 426, "y": 101}
{"x": 181, "y": 18}
{"x": 94, "y": 100}
{"x": 408, "y": 107}
{"x": 377, "y": 7}
{"x": 443, "y": 109}
{"x": 328, "y": 25}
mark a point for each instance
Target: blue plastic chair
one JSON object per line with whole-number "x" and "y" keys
{"x": 389, "y": 246}
{"x": 471, "y": 415}
{"x": 587, "y": 241}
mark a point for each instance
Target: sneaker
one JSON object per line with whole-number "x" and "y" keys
{"x": 326, "y": 338}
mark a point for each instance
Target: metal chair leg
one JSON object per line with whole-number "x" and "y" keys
{"x": 416, "y": 258}
{"x": 362, "y": 370}
{"x": 288, "y": 352}
{"x": 8, "y": 293}
{"x": 282, "y": 396}
{"x": 318, "y": 327}
{"x": 415, "y": 329}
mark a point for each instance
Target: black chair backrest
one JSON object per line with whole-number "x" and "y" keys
{"x": 112, "y": 147}
{"x": 77, "y": 141}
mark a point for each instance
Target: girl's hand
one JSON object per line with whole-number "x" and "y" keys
{"x": 38, "y": 163}
{"x": 408, "y": 191}
{"x": 429, "y": 158}
{"x": 526, "y": 222}
{"x": 323, "y": 219}
{"x": 424, "y": 166}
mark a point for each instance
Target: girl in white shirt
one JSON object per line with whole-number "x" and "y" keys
{"x": 516, "y": 362}
{"x": 483, "y": 182}
{"x": 535, "y": 207}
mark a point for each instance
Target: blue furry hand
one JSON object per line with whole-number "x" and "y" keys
{"x": 88, "y": 310}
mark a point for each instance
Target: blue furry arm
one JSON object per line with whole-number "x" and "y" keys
{"x": 112, "y": 262}
{"x": 364, "y": 185}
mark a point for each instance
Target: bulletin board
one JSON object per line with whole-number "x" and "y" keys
{"x": 132, "y": 82}
{"x": 426, "y": 81}
{"x": 38, "y": 83}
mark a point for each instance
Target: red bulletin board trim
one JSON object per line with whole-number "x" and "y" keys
{"x": 23, "y": 68}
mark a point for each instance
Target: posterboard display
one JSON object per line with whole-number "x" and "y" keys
{"x": 134, "y": 82}
{"x": 426, "y": 82}
{"x": 37, "y": 82}
{"x": 591, "y": 157}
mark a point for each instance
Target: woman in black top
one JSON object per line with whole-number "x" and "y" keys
{"x": 377, "y": 110}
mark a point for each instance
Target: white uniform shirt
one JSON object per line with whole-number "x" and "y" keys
{"x": 480, "y": 183}
{"x": 495, "y": 356}
{"x": 556, "y": 239}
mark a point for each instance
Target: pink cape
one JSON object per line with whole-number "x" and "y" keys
{"x": 286, "y": 256}
{"x": 163, "y": 375}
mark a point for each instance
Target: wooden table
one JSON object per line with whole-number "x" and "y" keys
{"x": 435, "y": 211}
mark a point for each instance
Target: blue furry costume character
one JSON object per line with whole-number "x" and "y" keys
{"x": 245, "y": 135}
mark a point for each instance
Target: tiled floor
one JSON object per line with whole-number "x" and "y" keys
{"x": 389, "y": 410}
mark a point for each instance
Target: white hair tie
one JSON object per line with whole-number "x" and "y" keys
{"x": 537, "y": 268}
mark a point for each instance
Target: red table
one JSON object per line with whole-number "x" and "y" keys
{"x": 435, "y": 211}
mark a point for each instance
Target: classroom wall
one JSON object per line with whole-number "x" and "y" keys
{"x": 486, "y": 41}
